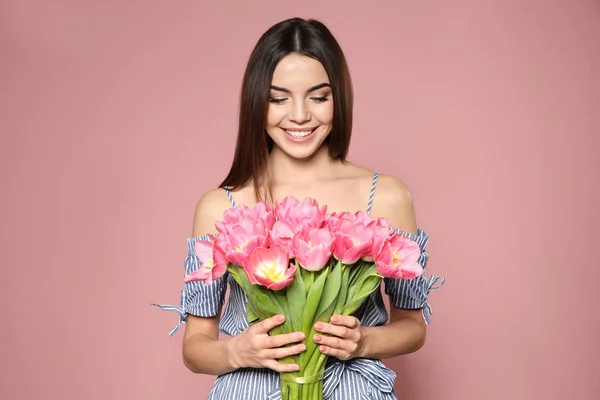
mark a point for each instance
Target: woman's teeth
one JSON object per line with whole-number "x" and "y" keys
{"x": 299, "y": 134}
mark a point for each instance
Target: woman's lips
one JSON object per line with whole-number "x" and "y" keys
{"x": 300, "y": 139}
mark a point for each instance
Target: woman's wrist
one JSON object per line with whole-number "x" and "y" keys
{"x": 232, "y": 355}
{"x": 362, "y": 350}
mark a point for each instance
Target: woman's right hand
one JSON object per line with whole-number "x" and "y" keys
{"x": 254, "y": 348}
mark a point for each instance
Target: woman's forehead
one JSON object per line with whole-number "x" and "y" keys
{"x": 299, "y": 71}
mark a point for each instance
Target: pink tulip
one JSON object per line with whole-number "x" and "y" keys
{"x": 312, "y": 247}
{"x": 270, "y": 267}
{"x": 383, "y": 222}
{"x": 233, "y": 217}
{"x": 381, "y": 236}
{"x": 363, "y": 217}
{"x": 298, "y": 214}
{"x": 264, "y": 212}
{"x": 379, "y": 226}
{"x": 332, "y": 220}
{"x": 398, "y": 258}
{"x": 352, "y": 241}
{"x": 282, "y": 235}
{"x": 359, "y": 217}
{"x": 240, "y": 242}
{"x": 212, "y": 263}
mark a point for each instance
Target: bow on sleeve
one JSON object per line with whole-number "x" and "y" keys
{"x": 180, "y": 310}
{"x": 428, "y": 287}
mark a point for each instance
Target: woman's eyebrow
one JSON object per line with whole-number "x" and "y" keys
{"x": 312, "y": 89}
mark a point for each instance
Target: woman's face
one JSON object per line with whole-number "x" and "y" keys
{"x": 300, "y": 113}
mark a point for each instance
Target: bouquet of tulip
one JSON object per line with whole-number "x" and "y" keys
{"x": 297, "y": 260}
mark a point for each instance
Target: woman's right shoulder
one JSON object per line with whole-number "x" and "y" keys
{"x": 209, "y": 209}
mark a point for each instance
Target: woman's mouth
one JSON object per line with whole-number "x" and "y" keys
{"x": 299, "y": 135}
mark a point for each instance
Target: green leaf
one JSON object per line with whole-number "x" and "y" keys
{"x": 331, "y": 289}
{"x": 358, "y": 270}
{"x": 296, "y": 297}
{"x": 260, "y": 302}
{"x": 250, "y": 316}
{"x": 314, "y": 298}
{"x": 265, "y": 300}
{"x": 280, "y": 297}
{"x": 312, "y": 303}
{"x": 343, "y": 293}
{"x": 328, "y": 302}
{"x": 234, "y": 271}
{"x": 367, "y": 286}
{"x": 311, "y": 354}
{"x": 308, "y": 277}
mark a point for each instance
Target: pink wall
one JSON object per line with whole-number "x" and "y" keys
{"x": 116, "y": 116}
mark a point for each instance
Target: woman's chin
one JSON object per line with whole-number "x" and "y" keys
{"x": 299, "y": 152}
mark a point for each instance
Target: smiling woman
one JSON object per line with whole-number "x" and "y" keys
{"x": 294, "y": 133}
{"x": 297, "y": 115}
{"x": 296, "y": 79}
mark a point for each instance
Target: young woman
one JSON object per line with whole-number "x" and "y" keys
{"x": 294, "y": 132}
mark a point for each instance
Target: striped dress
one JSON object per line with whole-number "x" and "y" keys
{"x": 355, "y": 379}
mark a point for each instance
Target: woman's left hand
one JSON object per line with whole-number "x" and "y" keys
{"x": 346, "y": 338}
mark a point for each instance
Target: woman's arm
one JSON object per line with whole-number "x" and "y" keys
{"x": 202, "y": 350}
{"x": 406, "y": 332}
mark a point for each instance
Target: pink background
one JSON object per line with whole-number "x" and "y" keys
{"x": 116, "y": 116}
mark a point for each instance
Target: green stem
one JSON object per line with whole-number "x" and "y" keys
{"x": 285, "y": 390}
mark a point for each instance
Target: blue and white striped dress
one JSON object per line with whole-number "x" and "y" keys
{"x": 355, "y": 379}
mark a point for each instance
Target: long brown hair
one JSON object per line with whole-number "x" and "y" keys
{"x": 296, "y": 35}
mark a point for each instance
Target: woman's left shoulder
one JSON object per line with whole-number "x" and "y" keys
{"x": 393, "y": 200}
{"x": 393, "y": 190}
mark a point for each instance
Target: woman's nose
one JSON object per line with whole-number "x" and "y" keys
{"x": 299, "y": 113}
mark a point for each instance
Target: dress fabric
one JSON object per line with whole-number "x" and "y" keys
{"x": 355, "y": 379}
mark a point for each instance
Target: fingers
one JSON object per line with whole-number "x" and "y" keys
{"x": 345, "y": 320}
{"x": 266, "y": 325}
{"x": 334, "y": 346}
{"x": 280, "y": 367}
{"x": 283, "y": 352}
{"x": 343, "y": 327}
{"x": 271, "y": 348}
{"x": 272, "y": 355}
{"x": 337, "y": 353}
{"x": 283, "y": 339}
{"x": 345, "y": 337}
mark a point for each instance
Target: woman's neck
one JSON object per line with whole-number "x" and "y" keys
{"x": 283, "y": 168}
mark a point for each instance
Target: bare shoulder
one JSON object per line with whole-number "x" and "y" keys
{"x": 209, "y": 209}
{"x": 393, "y": 200}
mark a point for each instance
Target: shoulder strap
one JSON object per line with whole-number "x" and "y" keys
{"x": 372, "y": 194}
{"x": 230, "y": 196}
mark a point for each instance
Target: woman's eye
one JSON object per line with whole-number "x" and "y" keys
{"x": 276, "y": 101}
{"x": 320, "y": 99}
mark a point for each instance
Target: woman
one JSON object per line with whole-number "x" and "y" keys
{"x": 294, "y": 133}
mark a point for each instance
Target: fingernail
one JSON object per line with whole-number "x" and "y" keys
{"x": 280, "y": 318}
{"x": 317, "y": 338}
{"x": 302, "y": 347}
{"x": 318, "y": 326}
{"x": 302, "y": 336}
{"x": 334, "y": 318}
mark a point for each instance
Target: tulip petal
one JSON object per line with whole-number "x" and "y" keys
{"x": 204, "y": 250}
{"x": 269, "y": 267}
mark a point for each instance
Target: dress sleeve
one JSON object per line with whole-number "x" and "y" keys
{"x": 197, "y": 298}
{"x": 413, "y": 293}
